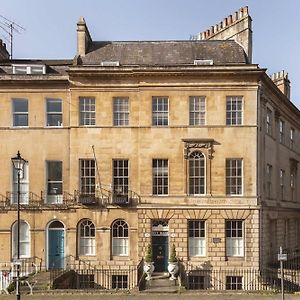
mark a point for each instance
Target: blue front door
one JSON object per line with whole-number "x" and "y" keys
{"x": 56, "y": 249}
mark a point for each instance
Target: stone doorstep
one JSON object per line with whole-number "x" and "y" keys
{"x": 160, "y": 283}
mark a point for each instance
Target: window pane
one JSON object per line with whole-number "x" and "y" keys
{"x": 234, "y": 176}
{"x": 87, "y": 176}
{"x": 54, "y": 106}
{"x": 87, "y": 111}
{"x": 160, "y": 111}
{"x": 121, "y": 112}
{"x": 54, "y": 112}
{"x": 54, "y": 169}
{"x": 234, "y": 110}
{"x": 160, "y": 176}
{"x": 20, "y": 105}
{"x": 197, "y": 110}
{"x": 234, "y": 238}
{"x": 20, "y": 112}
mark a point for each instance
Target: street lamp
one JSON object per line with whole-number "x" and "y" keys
{"x": 18, "y": 163}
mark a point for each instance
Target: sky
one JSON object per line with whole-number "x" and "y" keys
{"x": 50, "y": 26}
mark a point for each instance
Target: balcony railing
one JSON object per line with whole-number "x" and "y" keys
{"x": 129, "y": 199}
{"x": 101, "y": 198}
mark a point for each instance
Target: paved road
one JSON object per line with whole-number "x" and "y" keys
{"x": 186, "y": 296}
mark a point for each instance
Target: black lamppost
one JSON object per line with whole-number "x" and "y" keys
{"x": 18, "y": 163}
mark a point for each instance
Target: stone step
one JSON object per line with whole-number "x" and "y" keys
{"x": 161, "y": 290}
{"x": 161, "y": 283}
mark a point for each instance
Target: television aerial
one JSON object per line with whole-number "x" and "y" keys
{"x": 10, "y": 27}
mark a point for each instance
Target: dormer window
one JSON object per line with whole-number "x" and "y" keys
{"x": 29, "y": 69}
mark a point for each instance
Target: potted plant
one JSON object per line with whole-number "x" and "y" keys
{"x": 148, "y": 264}
{"x": 173, "y": 267}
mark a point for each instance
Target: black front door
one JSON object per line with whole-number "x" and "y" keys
{"x": 160, "y": 253}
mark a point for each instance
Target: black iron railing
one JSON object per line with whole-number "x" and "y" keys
{"x": 108, "y": 277}
{"x": 292, "y": 262}
{"x": 241, "y": 279}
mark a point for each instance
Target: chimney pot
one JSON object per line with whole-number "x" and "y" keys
{"x": 241, "y": 12}
{"x": 229, "y": 19}
{"x": 236, "y": 16}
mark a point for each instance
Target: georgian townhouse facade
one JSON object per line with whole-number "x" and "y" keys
{"x": 161, "y": 143}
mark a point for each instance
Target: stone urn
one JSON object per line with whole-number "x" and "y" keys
{"x": 173, "y": 269}
{"x": 148, "y": 269}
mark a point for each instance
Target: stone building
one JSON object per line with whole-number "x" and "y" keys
{"x": 150, "y": 142}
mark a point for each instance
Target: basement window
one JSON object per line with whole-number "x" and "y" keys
{"x": 29, "y": 69}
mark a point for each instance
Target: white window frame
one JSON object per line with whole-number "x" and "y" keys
{"x": 120, "y": 238}
{"x": 197, "y": 238}
{"x": 120, "y": 111}
{"x": 292, "y": 137}
{"x": 15, "y": 113}
{"x": 25, "y": 242}
{"x": 282, "y": 183}
{"x": 87, "y": 167}
{"x": 233, "y": 283}
{"x": 231, "y": 178}
{"x": 160, "y": 171}
{"x": 197, "y": 110}
{"x": 50, "y": 113}
{"x": 234, "y": 244}
{"x": 87, "y": 116}
{"x": 120, "y": 179}
{"x": 269, "y": 171}
{"x": 24, "y": 184}
{"x": 23, "y": 69}
{"x": 87, "y": 238}
{"x": 159, "y": 116}
{"x": 234, "y": 116}
{"x": 281, "y": 131}
{"x": 269, "y": 121}
{"x": 194, "y": 164}
{"x": 54, "y": 197}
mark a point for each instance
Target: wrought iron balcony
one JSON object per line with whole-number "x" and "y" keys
{"x": 101, "y": 198}
{"x": 98, "y": 198}
{"x": 121, "y": 199}
{"x": 30, "y": 200}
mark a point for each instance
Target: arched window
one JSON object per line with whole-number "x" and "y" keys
{"x": 87, "y": 241}
{"x": 24, "y": 239}
{"x": 120, "y": 238}
{"x": 196, "y": 173}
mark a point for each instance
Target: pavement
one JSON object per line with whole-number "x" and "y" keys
{"x": 137, "y": 296}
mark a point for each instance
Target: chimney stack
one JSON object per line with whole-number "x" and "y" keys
{"x": 283, "y": 83}
{"x": 83, "y": 37}
{"x": 4, "y": 55}
{"x": 238, "y": 27}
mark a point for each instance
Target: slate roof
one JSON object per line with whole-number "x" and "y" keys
{"x": 161, "y": 53}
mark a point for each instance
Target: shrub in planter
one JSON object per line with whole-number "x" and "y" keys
{"x": 148, "y": 264}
